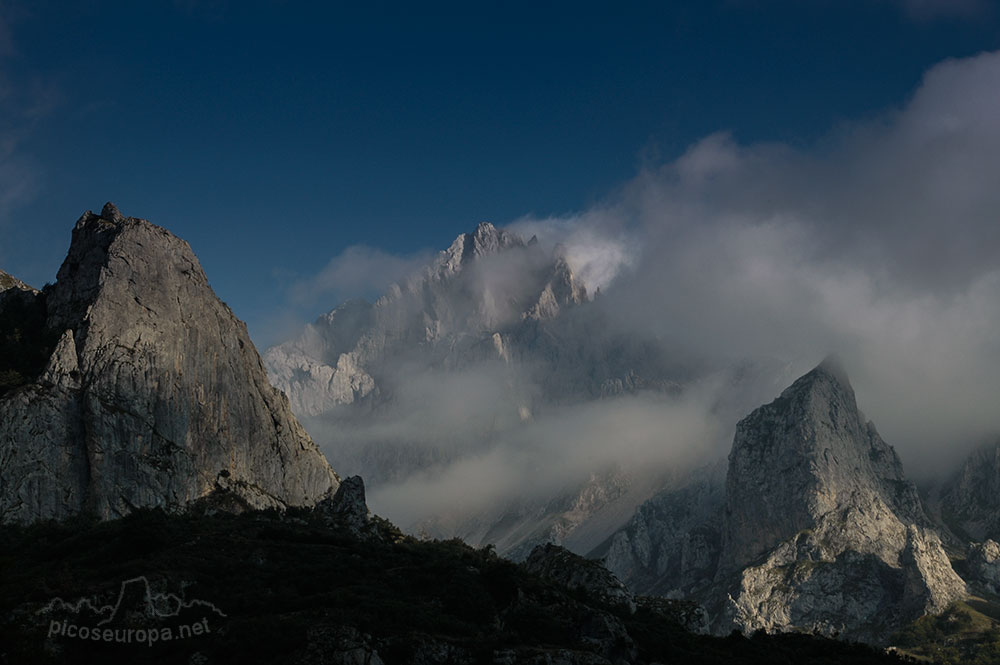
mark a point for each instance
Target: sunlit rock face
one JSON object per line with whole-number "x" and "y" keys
{"x": 153, "y": 395}
{"x": 817, "y": 528}
{"x": 809, "y": 461}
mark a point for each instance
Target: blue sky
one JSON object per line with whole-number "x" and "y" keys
{"x": 274, "y": 135}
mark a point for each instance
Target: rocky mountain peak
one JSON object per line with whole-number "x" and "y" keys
{"x": 826, "y": 384}
{"x": 806, "y": 455}
{"x": 486, "y": 240}
{"x": 153, "y": 390}
{"x": 111, "y": 213}
{"x": 488, "y": 287}
{"x": 815, "y": 499}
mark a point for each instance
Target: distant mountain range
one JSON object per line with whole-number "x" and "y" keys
{"x": 385, "y": 389}
{"x": 811, "y": 500}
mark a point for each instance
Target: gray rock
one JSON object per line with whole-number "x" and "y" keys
{"x": 970, "y": 502}
{"x": 821, "y": 529}
{"x": 816, "y": 528}
{"x": 809, "y": 460}
{"x": 347, "y": 508}
{"x": 982, "y": 567}
{"x": 152, "y": 391}
{"x": 670, "y": 547}
{"x": 558, "y": 564}
{"x": 8, "y": 281}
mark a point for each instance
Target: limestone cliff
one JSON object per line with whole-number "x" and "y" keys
{"x": 815, "y": 528}
{"x": 153, "y": 394}
{"x": 821, "y": 529}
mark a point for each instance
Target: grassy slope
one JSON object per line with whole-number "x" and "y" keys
{"x": 967, "y": 634}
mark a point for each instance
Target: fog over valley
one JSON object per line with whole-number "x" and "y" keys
{"x": 706, "y": 284}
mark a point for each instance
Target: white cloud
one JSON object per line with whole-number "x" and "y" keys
{"x": 357, "y": 272}
{"x": 882, "y": 243}
{"x": 594, "y": 251}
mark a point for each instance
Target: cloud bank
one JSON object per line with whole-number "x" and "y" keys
{"x": 881, "y": 242}
{"x": 744, "y": 265}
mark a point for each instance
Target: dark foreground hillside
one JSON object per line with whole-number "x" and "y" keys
{"x": 267, "y": 588}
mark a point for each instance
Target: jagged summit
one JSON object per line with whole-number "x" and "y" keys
{"x": 111, "y": 213}
{"x": 830, "y": 459}
{"x": 486, "y": 288}
{"x": 152, "y": 393}
{"x": 486, "y": 240}
{"x": 817, "y": 529}
{"x": 811, "y": 481}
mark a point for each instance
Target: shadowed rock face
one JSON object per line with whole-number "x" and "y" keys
{"x": 670, "y": 547}
{"x": 971, "y": 500}
{"x": 153, "y": 393}
{"x": 559, "y": 564}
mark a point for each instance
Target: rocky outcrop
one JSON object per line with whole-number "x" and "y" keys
{"x": 348, "y": 507}
{"x": 577, "y": 520}
{"x": 670, "y": 547}
{"x": 982, "y": 566}
{"x": 561, "y": 289}
{"x": 153, "y": 394}
{"x": 8, "y": 281}
{"x": 854, "y": 595}
{"x": 970, "y": 502}
{"x": 814, "y": 528}
{"x": 821, "y": 529}
{"x": 558, "y": 564}
{"x": 810, "y": 461}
